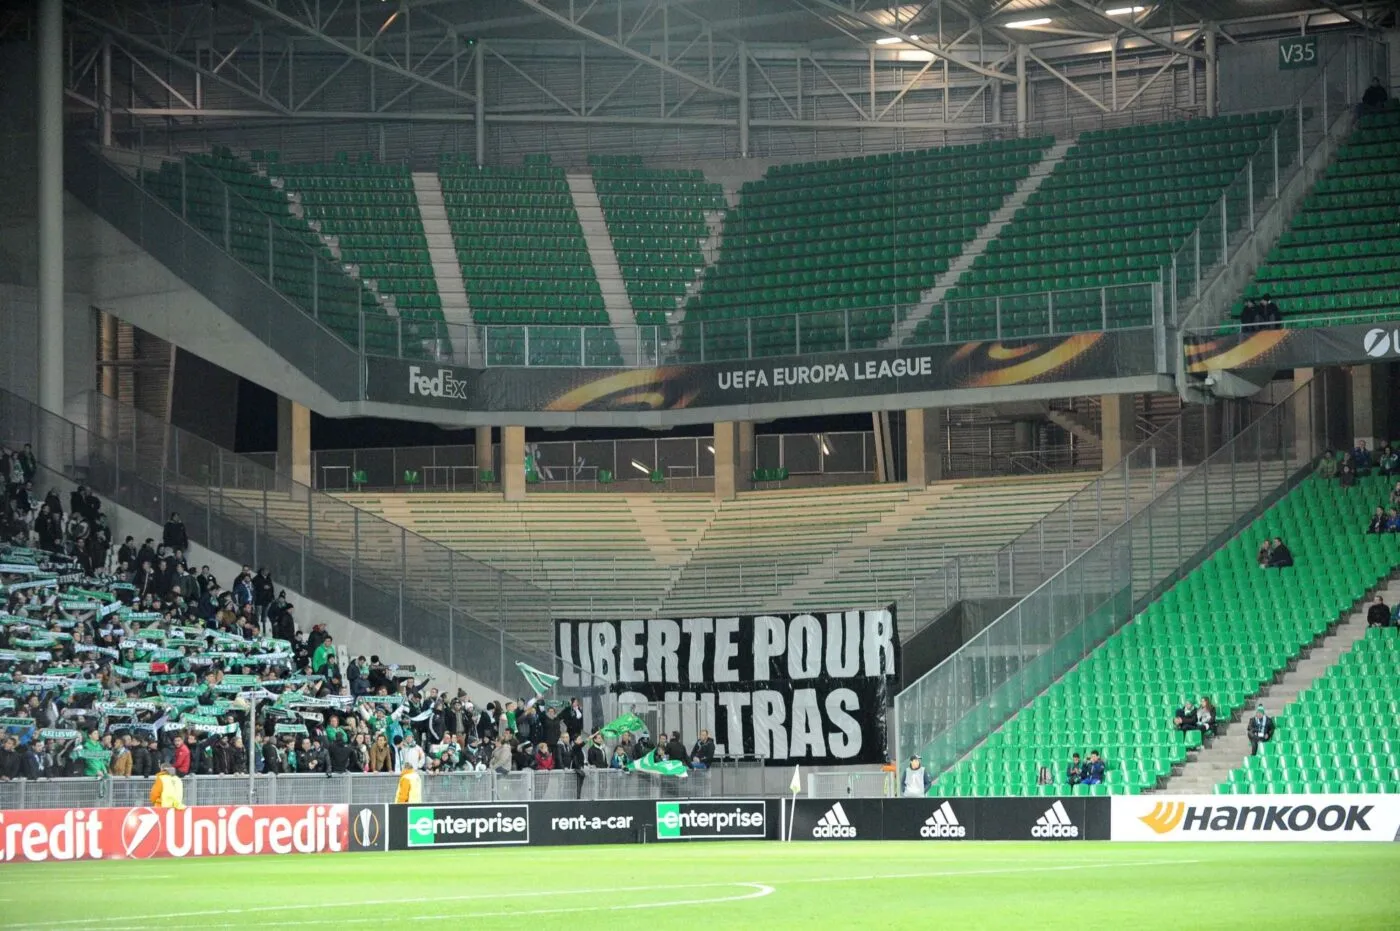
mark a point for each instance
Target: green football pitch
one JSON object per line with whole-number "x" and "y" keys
{"x": 729, "y": 885}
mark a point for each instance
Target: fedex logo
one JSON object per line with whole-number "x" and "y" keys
{"x": 441, "y": 385}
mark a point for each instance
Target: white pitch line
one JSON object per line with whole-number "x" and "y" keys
{"x": 106, "y": 924}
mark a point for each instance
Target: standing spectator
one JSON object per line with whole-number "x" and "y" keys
{"x": 168, "y": 791}
{"x": 675, "y": 750}
{"x": 915, "y": 782}
{"x": 1074, "y": 773}
{"x": 1094, "y": 769}
{"x": 121, "y": 757}
{"x": 324, "y": 655}
{"x": 1378, "y": 615}
{"x": 702, "y": 755}
{"x": 381, "y": 755}
{"x": 9, "y": 759}
{"x": 502, "y": 759}
{"x": 1271, "y": 317}
{"x": 1327, "y": 468}
{"x": 1395, "y": 496}
{"x": 263, "y": 590}
{"x": 181, "y": 760}
{"x": 1261, "y": 730}
{"x": 410, "y": 789}
{"x": 1279, "y": 555}
{"x": 174, "y": 535}
{"x": 544, "y": 756}
{"x": 573, "y": 718}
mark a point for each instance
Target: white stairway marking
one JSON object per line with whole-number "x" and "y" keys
{"x": 442, "y": 252}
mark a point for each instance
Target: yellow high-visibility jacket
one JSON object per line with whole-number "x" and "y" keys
{"x": 410, "y": 787}
{"x": 168, "y": 791}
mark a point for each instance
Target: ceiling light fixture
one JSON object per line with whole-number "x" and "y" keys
{"x": 640, "y": 468}
{"x": 888, "y": 40}
{"x": 1124, "y": 11}
{"x": 1027, "y": 23}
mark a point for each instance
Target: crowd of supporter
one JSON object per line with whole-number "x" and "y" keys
{"x": 124, "y": 661}
{"x": 1346, "y": 467}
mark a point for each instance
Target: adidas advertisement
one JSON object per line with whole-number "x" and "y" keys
{"x": 930, "y": 819}
{"x": 465, "y": 826}
{"x": 1046, "y": 818}
{"x": 716, "y": 820}
{"x": 832, "y": 819}
{"x": 1256, "y": 818}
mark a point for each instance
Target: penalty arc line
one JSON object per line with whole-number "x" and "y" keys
{"x": 107, "y": 925}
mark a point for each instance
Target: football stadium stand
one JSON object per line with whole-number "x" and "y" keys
{"x": 1224, "y": 631}
{"x": 525, "y": 262}
{"x": 1341, "y": 253}
{"x": 370, "y": 216}
{"x": 865, "y": 236}
{"x": 1110, "y": 216}
{"x": 658, "y": 220}
{"x": 234, "y": 203}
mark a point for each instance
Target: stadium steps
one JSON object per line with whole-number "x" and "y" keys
{"x": 456, "y": 309}
{"x": 915, "y": 538}
{"x": 600, "y": 250}
{"x": 1210, "y": 765}
{"x": 934, "y": 296}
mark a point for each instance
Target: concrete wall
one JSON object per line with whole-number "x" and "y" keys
{"x": 19, "y": 347}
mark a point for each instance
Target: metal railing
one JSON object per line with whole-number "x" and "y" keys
{"x": 1217, "y": 238}
{"x": 957, "y": 703}
{"x": 728, "y": 778}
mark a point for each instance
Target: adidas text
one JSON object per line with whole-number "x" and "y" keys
{"x": 942, "y": 830}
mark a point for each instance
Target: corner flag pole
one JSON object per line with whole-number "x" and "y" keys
{"x": 795, "y": 787}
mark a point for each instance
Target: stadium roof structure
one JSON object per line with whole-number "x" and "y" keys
{"x": 426, "y": 54}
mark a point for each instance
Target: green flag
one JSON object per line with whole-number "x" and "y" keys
{"x": 650, "y": 764}
{"x": 621, "y": 725}
{"x": 539, "y": 682}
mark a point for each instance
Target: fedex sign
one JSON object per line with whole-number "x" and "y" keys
{"x": 441, "y": 385}
{"x": 142, "y": 833}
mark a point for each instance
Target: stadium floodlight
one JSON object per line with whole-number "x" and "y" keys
{"x": 1124, "y": 11}
{"x": 640, "y": 468}
{"x": 711, "y": 449}
{"x": 1027, "y": 23}
{"x": 821, "y": 439}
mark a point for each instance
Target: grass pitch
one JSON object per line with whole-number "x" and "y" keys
{"x": 843, "y": 886}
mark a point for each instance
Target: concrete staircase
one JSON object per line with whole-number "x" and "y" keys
{"x": 1210, "y": 766}
{"x": 935, "y": 295}
{"x": 442, "y": 251}
{"x": 600, "y": 252}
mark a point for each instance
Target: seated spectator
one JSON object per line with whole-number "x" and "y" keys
{"x": 1378, "y": 615}
{"x": 702, "y": 755}
{"x": 1185, "y": 717}
{"x": 1262, "y": 556}
{"x": 1327, "y": 467}
{"x": 1270, "y": 316}
{"x": 1094, "y": 769}
{"x": 1279, "y": 555}
{"x": 1392, "y": 521}
{"x": 1205, "y": 717}
{"x": 1261, "y": 730}
{"x": 1378, "y": 521}
{"x": 1395, "y": 496}
{"x": 1250, "y": 317}
{"x": 1346, "y": 472}
{"x": 1374, "y": 99}
{"x": 1389, "y": 460}
{"x": 1075, "y": 772}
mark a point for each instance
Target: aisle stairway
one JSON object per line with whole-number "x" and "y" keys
{"x": 600, "y": 252}
{"x": 442, "y": 252}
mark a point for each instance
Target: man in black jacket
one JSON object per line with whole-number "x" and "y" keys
{"x": 1279, "y": 555}
{"x": 702, "y": 755}
{"x": 263, "y": 592}
{"x": 597, "y": 754}
{"x": 1261, "y": 730}
{"x": 573, "y": 718}
{"x": 1378, "y": 615}
{"x": 174, "y": 534}
{"x": 675, "y": 750}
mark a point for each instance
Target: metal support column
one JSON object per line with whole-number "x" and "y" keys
{"x": 743, "y": 63}
{"x": 479, "y": 71}
{"x": 1022, "y": 96}
{"x": 1211, "y": 67}
{"x": 105, "y": 92}
{"x": 50, "y": 107}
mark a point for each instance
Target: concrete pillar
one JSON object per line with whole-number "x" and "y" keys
{"x": 923, "y": 446}
{"x": 479, "y": 115}
{"x": 1116, "y": 427}
{"x": 105, "y": 100}
{"x": 1211, "y": 66}
{"x": 1363, "y": 404}
{"x": 1022, "y": 91}
{"x": 743, "y": 63}
{"x": 726, "y": 460}
{"x": 744, "y": 443}
{"x": 1305, "y": 445}
{"x": 50, "y": 107}
{"x": 484, "y": 457}
{"x": 513, "y": 463}
{"x": 294, "y": 440}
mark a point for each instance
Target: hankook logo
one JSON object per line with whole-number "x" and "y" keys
{"x": 1165, "y": 816}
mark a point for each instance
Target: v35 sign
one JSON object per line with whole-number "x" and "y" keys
{"x": 142, "y": 833}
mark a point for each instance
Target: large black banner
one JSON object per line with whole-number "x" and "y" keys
{"x": 787, "y": 688}
{"x": 1076, "y": 357}
{"x": 1302, "y": 347}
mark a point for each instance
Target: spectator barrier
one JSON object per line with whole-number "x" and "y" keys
{"x": 140, "y": 832}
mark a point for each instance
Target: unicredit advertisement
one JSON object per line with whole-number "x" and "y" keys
{"x": 143, "y": 833}
{"x": 1256, "y": 818}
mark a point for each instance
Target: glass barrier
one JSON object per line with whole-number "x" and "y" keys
{"x": 956, "y": 704}
{"x": 1227, "y": 225}
{"x": 430, "y": 598}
